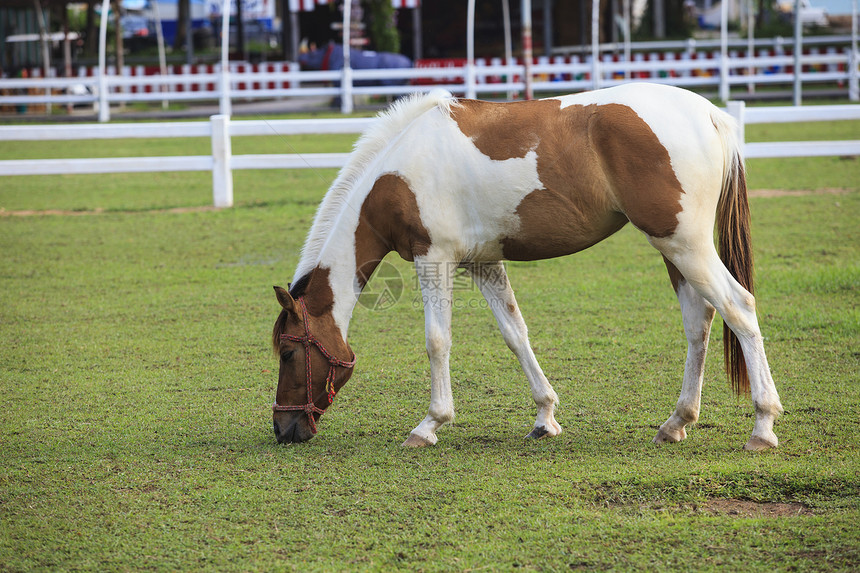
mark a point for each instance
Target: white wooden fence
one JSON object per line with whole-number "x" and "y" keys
{"x": 221, "y": 129}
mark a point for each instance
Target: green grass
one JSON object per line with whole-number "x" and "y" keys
{"x": 804, "y": 172}
{"x": 136, "y": 380}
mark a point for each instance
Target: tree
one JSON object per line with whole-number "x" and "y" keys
{"x": 676, "y": 23}
{"x": 383, "y": 31}
{"x": 183, "y": 20}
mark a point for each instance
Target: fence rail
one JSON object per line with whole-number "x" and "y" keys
{"x": 692, "y": 64}
{"x": 221, "y": 129}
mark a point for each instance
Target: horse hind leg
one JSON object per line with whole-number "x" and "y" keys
{"x": 698, "y": 315}
{"x": 492, "y": 280}
{"x": 706, "y": 273}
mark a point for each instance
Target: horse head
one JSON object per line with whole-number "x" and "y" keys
{"x": 310, "y": 347}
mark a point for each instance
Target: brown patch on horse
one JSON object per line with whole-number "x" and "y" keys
{"x": 553, "y": 224}
{"x": 504, "y": 131}
{"x": 600, "y": 165}
{"x": 574, "y": 210}
{"x": 319, "y": 298}
{"x": 389, "y": 221}
{"x": 569, "y": 214}
{"x": 638, "y": 169}
{"x": 674, "y": 274}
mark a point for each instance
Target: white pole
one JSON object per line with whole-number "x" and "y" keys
{"x": 67, "y": 54}
{"x": 225, "y": 105}
{"x": 595, "y": 44}
{"x": 104, "y": 110}
{"x": 159, "y": 36}
{"x": 346, "y": 81}
{"x": 509, "y": 51}
{"x": 798, "y": 51}
{"x": 527, "y": 46}
{"x": 853, "y": 83}
{"x": 724, "y": 50}
{"x": 750, "y": 42}
{"x": 627, "y": 50}
{"x": 222, "y": 176}
{"x": 46, "y": 52}
{"x": 470, "y": 50}
{"x": 294, "y": 35}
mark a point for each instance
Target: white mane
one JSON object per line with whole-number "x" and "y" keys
{"x": 388, "y": 124}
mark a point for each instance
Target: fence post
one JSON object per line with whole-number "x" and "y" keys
{"x": 595, "y": 45}
{"x": 346, "y": 101}
{"x": 737, "y": 109}
{"x": 224, "y": 96}
{"x": 853, "y": 83}
{"x": 469, "y": 76}
{"x": 104, "y": 105}
{"x": 225, "y": 103}
{"x": 222, "y": 176}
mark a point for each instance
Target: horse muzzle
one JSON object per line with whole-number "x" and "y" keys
{"x": 292, "y": 427}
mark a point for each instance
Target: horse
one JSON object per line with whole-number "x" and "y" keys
{"x": 458, "y": 183}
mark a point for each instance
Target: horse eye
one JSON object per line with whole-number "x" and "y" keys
{"x": 287, "y": 355}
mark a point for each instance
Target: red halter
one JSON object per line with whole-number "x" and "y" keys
{"x": 307, "y": 340}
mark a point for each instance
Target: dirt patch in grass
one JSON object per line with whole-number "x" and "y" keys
{"x": 797, "y": 193}
{"x": 99, "y": 211}
{"x": 744, "y": 508}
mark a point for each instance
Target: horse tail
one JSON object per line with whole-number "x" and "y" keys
{"x": 735, "y": 241}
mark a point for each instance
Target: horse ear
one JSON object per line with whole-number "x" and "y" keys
{"x": 285, "y": 299}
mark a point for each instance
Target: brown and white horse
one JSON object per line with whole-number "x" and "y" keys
{"x": 453, "y": 183}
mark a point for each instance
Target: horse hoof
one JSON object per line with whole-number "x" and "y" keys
{"x": 757, "y": 444}
{"x": 416, "y": 441}
{"x": 665, "y": 437}
{"x": 538, "y": 433}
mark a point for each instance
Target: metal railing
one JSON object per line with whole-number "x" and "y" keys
{"x": 837, "y": 64}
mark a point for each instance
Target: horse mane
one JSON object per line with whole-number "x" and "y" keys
{"x": 389, "y": 123}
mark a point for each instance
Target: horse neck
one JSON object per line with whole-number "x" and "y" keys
{"x": 344, "y": 266}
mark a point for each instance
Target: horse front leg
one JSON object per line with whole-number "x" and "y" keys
{"x": 435, "y": 279}
{"x": 492, "y": 280}
{"x": 698, "y": 315}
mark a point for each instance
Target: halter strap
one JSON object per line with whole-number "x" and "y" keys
{"x": 309, "y": 340}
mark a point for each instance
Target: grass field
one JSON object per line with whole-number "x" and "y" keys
{"x": 137, "y": 377}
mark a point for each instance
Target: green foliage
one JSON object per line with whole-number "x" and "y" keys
{"x": 677, "y": 23}
{"x": 770, "y": 22}
{"x": 137, "y": 377}
{"x": 383, "y": 31}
